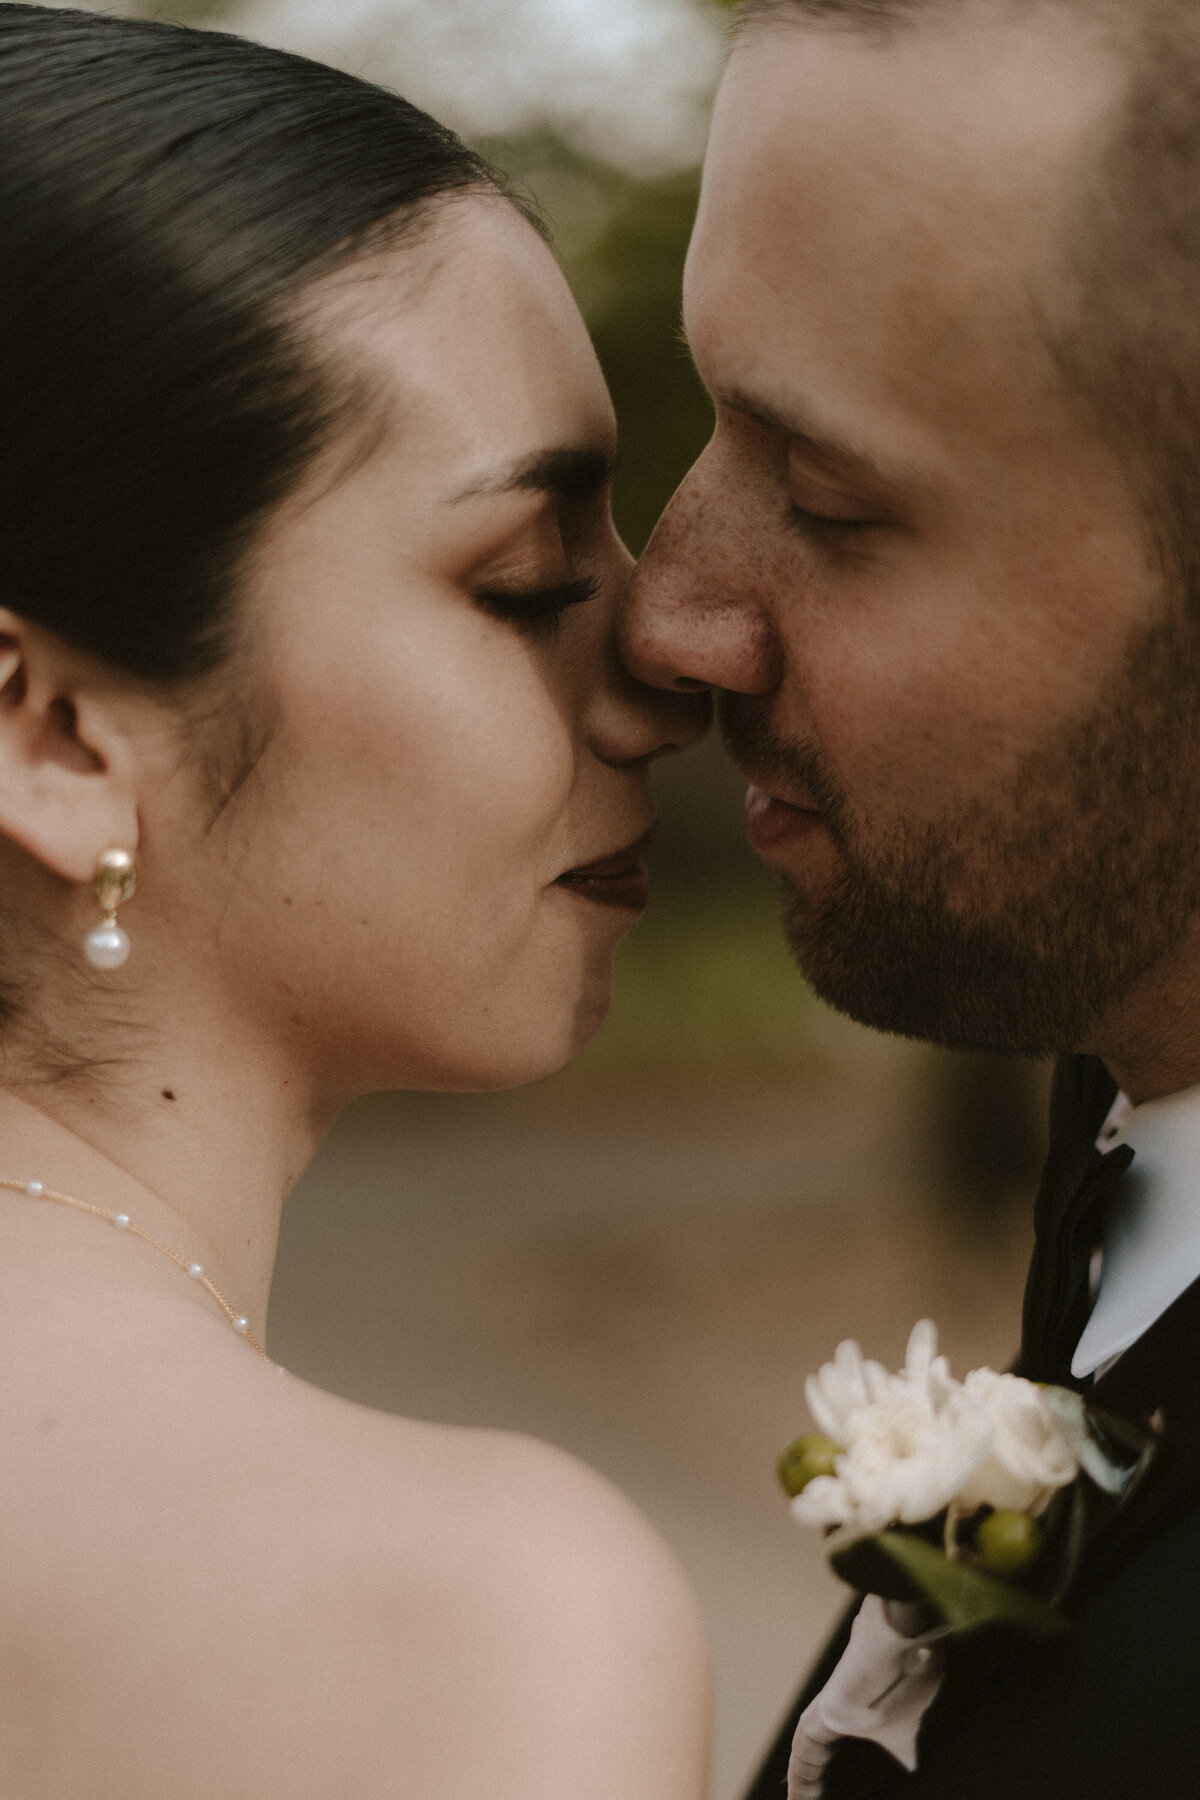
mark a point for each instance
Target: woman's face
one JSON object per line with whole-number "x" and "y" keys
{"x": 451, "y": 734}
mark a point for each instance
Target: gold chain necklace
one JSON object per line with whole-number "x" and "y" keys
{"x": 37, "y": 1190}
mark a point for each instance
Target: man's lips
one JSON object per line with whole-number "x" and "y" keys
{"x": 622, "y": 879}
{"x": 777, "y": 825}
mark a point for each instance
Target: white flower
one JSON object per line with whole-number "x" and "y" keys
{"x": 903, "y": 1464}
{"x": 914, "y": 1442}
{"x": 1029, "y": 1456}
{"x": 841, "y": 1389}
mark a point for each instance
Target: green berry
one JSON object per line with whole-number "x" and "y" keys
{"x": 804, "y": 1460}
{"x": 1008, "y": 1542}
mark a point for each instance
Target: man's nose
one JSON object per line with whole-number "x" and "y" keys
{"x": 684, "y": 622}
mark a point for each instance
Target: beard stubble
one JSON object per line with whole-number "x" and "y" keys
{"x": 1019, "y": 922}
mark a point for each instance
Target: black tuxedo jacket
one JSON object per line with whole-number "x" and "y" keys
{"x": 1111, "y": 1712}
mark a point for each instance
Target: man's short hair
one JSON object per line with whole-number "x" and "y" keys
{"x": 1123, "y": 320}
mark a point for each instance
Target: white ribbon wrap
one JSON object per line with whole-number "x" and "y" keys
{"x": 880, "y": 1690}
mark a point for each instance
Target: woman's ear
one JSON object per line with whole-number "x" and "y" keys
{"x": 66, "y": 768}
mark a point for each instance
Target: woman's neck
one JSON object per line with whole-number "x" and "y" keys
{"x": 201, "y": 1156}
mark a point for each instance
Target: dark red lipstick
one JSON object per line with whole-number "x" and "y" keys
{"x": 621, "y": 880}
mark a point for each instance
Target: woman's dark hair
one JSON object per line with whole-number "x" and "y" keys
{"x": 165, "y": 196}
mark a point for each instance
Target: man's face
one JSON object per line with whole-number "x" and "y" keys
{"x": 949, "y": 665}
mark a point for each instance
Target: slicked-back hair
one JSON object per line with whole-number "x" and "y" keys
{"x": 166, "y": 197}
{"x": 1121, "y": 313}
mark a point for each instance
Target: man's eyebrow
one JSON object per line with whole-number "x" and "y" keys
{"x": 572, "y": 472}
{"x": 838, "y": 457}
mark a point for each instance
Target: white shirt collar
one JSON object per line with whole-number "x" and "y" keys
{"x": 1152, "y": 1238}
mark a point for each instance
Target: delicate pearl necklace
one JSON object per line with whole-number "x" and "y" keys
{"x": 37, "y": 1190}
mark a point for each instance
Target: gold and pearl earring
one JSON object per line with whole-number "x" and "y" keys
{"x": 107, "y": 946}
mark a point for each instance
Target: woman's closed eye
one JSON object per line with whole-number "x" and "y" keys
{"x": 538, "y": 609}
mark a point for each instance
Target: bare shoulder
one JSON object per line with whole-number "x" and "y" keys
{"x": 481, "y": 1587}
{"x": 369, "y": 1606}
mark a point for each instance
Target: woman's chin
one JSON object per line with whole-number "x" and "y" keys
{"x": 530, "y": 1049}
{"x": 580, "y": 1025}
{"x": 590, "y": 1017}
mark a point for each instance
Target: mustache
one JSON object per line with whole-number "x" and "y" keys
{"x": 786, "y": 766}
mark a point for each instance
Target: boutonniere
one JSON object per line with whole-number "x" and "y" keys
{"x": 970, "y": 1500}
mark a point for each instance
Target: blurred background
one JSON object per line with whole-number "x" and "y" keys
{"x": 642, "y": 1258}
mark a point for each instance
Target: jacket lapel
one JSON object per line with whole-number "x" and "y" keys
{"x": 1157, "y": 1376}
{"x": 1055, "y": 1306}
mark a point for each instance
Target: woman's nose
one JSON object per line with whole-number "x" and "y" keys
{"x": 630, "y": 721}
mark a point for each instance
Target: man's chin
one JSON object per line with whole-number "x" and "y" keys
{"x": 904, "y": 971}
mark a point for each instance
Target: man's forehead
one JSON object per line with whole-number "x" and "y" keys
{"x": 973, "y": 130}
{"x": 892, "y": 206}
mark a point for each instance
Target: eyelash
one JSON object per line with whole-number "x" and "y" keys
{"x": 538, "y": 610}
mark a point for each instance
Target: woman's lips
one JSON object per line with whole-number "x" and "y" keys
{"x": 775, "y": 826}
{"x": 621, "y": 880}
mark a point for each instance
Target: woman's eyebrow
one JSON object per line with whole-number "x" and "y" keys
{"x": 571, "y": 472}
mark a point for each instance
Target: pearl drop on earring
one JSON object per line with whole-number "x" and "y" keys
{"x": 107, "y": 946}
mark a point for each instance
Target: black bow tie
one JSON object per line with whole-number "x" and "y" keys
{"x": 1077, "y": 1186}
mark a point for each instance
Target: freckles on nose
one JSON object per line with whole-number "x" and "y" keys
{"x": 682, "y": 542}
{"x": 697, "y": 613}
{"x": 669, "y": 578}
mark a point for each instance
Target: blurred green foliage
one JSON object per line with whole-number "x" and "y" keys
{"x": 705, "y": 993}
{"x": 187, "y": 12}
{"x": 629, "y": 286}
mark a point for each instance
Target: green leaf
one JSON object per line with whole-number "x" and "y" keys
{"x": 903, "y": 1567}
{"x": 866, "y": 1565}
